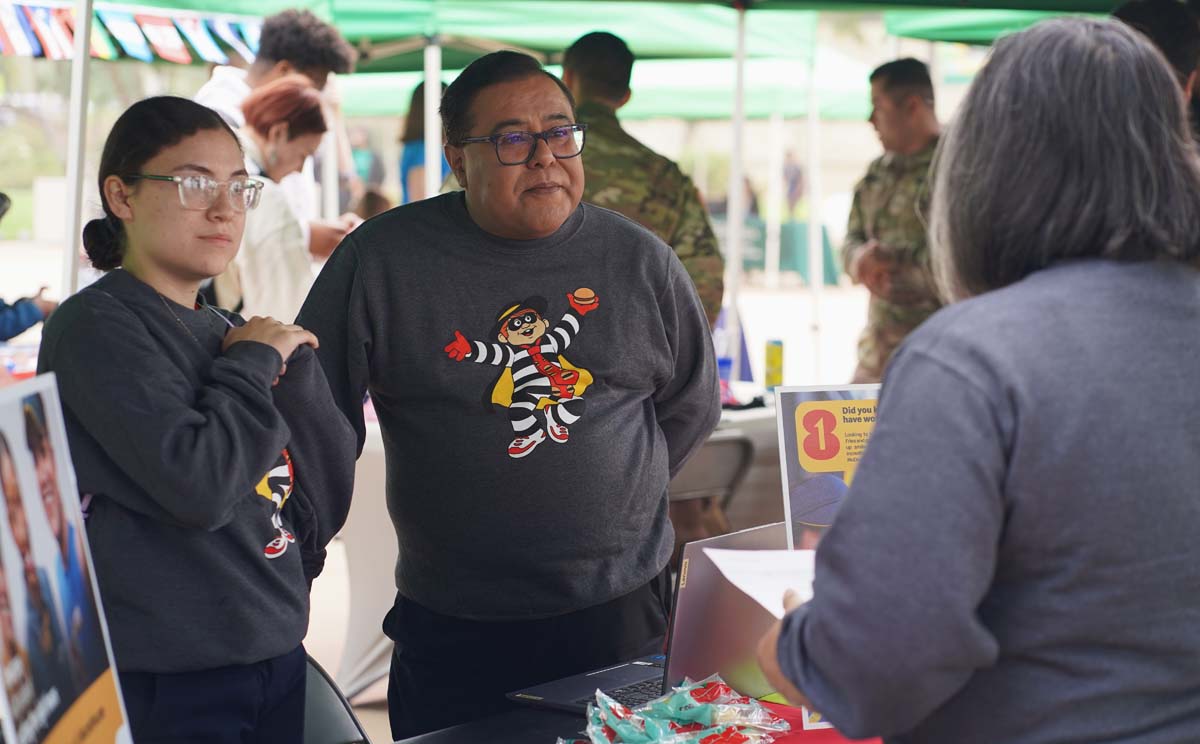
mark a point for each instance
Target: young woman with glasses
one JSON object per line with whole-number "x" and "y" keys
{"x": 195, "y": 440}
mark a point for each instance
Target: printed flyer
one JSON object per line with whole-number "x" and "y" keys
{"x": 823, "y": 433}
{"x": 60, "y": 685}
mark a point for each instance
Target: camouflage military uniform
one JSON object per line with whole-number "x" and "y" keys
{"x": 625, "y": 176}
{"x": 890, "y": 206}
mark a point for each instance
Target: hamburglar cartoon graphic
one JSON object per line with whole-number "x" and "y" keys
{"x": 539, "y": 387}
{"x": 276, "y": 486}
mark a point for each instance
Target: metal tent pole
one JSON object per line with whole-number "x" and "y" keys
{"x": 775, "y": 200}
{"x": 735, "y": 213}
{"x": 816, "y": 244}
{"x": 433, "y": 122}
{"x": 330, "y": 169}
{"x": 76, "y": 143}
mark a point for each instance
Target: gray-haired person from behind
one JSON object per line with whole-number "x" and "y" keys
{"x": 1017, "y": 556}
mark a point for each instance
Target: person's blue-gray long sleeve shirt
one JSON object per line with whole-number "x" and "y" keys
{"x": 1017, "y": 559}
{"x": 18, "y": 317}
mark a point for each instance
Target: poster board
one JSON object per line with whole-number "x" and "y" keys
{"x": 59, "y": 681}
{"x": 823, "y": 433}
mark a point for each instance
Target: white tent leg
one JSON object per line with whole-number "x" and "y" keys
{"x": 816, "y": 243}
{"x": 433, "y": 122}
{"x": 76, "y": 143}
{"x": 736, "y": 204}
{"x": 330, "y": 170}
{"x": 775, "y": 200}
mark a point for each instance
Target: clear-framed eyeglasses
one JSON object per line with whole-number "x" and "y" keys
{"x": 517, "y": 148}
{"x": 200, "y": 192}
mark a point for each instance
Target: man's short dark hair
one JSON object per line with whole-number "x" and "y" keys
{"x": 906, "y": 77}
{"x": 306, "y": 42}
{"x": 488, "y": 70}
{"x": 1172, "y": 26}
{"x": 603, "y": 64}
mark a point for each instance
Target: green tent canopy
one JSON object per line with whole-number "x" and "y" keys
{"x": 390, "y": 34}
{"x": 963, "y": 26}
{"x": 1060, "y": 6}
{"x": 682, "y": 89}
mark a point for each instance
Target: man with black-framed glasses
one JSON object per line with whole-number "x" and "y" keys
{"x": 533, "y": 537}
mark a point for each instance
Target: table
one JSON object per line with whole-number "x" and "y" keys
{"x": 535, "y": 726}
{"x": 518, "y": 726}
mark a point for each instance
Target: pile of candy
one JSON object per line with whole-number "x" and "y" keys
{"x": 705, "y": 712}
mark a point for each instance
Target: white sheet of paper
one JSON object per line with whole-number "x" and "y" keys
{"x": 764, "y": 575}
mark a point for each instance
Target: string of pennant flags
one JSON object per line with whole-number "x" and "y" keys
{"x": 47, "y": 30}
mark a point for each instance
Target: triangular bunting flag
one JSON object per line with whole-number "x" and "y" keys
{"x": 164, "y": 38}
{"x": 50, "y": 37}
{"x": 251, "y": 30}
{"x": 24, "y": 37}
{"x": 197, "y": 35}
{"x": 125, "y": 30}
{"x": 101, "y": 46}
{"x": 7, "y": 47}
{"x": 224, "y": 30}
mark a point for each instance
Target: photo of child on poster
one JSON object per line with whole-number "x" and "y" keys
{"x": 38, "y": 686}
{"x": 59, "y": 683}
{"x": 823, "y": 432}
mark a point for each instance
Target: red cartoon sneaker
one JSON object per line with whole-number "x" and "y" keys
{"x": 276, "y": 547}
{"x": 522, "y": 446}
{"x": 558, "y": 432}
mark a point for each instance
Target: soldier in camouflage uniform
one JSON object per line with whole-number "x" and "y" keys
{"x": 886, "y": 248}
{"x": 625, "y": 176}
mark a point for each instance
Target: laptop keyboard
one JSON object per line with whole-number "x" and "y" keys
{"x": 633, "y": 695}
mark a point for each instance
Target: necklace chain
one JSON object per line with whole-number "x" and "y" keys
{"x": 183, "y": 325}
{"x": 179, "y": 320}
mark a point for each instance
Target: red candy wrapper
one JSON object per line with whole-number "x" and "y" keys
{"x": 705, "y": 712}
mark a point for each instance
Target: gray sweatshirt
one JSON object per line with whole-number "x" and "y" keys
{"x": 568, "y": 524}
{"x": 1017, "y": 559}
{"x": 174, "y": 441}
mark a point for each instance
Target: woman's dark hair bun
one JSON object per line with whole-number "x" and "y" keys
{"x": 102, "y": 241}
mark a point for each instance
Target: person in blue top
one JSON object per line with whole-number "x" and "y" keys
{"x": 412, "y": 154}
{"x": 80, "y": 620}
{"x": 26, "y": 312}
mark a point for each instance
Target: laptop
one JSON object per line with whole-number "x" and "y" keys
{"x": 714, "y": 629}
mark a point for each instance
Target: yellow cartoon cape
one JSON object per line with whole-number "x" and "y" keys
{"x": 503, "y": 391}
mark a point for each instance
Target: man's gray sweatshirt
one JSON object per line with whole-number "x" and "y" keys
{"x": 412, "y": 307}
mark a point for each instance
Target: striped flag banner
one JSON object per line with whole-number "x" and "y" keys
{"x": 194, "y": 31}
{"x": 127, "y": 33}
{"x": 224, "y": 30}
{"x": 166, "y": 41}
{"x": 18, "y": 31}
{"x": 56, "y": 42}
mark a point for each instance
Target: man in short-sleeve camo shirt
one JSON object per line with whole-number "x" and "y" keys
{"x": 886, "y": 248}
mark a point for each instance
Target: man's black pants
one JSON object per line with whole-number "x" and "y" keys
{"x": 447, "y": 670}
